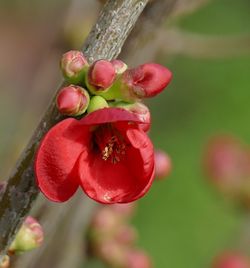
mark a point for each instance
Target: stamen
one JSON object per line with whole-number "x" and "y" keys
{"x": 111, "y": 143}
{"x": 113, "y": 149}
{"x": 107, "y": 152}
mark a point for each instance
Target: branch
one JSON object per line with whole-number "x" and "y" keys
{"x": 186, "y": 7}
{"x": 176, "y": 41}
{"x": 105, "y": 41}
{"x": 141, "y": 43}
{"x": 112, "y": 29}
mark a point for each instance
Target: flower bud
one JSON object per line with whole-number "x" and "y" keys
{"x": 227, "y": 164}
{"x": 5, "y": 262}
{"x": 226, "y": 159}
{"x": 30, "y": 236}
{"x": 163, "y": 164}
{"x": 145, "y": 81}
{"x": 139, "y": 109}
{"x": 138, "y": 259}
{"x": 120, "y": 66}
{"x": 101, "y": 76}
{"x": 74, "y": 66}
{"x": 96, "y": 103}
{"x": 231, "y": 260}
{"x": 72, "y": 100}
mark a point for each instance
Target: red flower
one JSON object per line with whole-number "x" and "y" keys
{"x": 106, "y": 153}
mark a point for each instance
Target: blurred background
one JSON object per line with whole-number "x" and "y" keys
{"x": 182, "y": 222}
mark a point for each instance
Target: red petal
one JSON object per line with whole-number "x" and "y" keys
{"x": 149, "y": 79}
{"x": 156, "y": 78}
{"x": 148, "y": 186}
{"x": 56, "y": 158}
{"x": 109, "y": 115}
{"x": 101, "y": 74}
{"x": 124, "y": 181}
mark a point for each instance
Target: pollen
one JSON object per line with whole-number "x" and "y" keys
{"x": 110, "y": 143}
{"x": 107, "y": 152}
{"x": 113, "y": 150}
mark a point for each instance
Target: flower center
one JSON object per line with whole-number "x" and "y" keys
{"x": 110, "y": 143}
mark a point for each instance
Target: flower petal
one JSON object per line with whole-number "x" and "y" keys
{"x": 56, "y": 158}
{"x": 150, "y": 79}
{"x": 109, "y": 115}
{"x": 123, "y": 181}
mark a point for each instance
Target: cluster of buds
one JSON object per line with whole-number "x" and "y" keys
{"x": 112, "y": 238}
{"x": 111, "y": 81}
{"x": 231, "y": 259}
{"x": 227, "y": 163}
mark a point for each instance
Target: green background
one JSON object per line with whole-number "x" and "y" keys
{"x": 183, "y": 223}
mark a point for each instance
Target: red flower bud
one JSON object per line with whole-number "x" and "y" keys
{"x": 138, "y": 259}
{"x": 227, "y": 159}
{"x": 101, "y": 76}
{"x": 74, "y": 66}
{"x": 227, "y": 163}
{"x": 72, "y": 100}
{"x": 120, "y": 66}
{"x": 231, "y": 260}
{"x": 145, "y": 81}
{"x": 5, "y": 262}
{"x": 163, "y": 164}
{"x": 30, "y": 236}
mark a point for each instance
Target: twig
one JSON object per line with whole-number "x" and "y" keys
{"x": 185, "y": 7}
{"x": 141, "y": 43}
{"x": 176, "y": 41}
{"x": 105, "y": 41}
